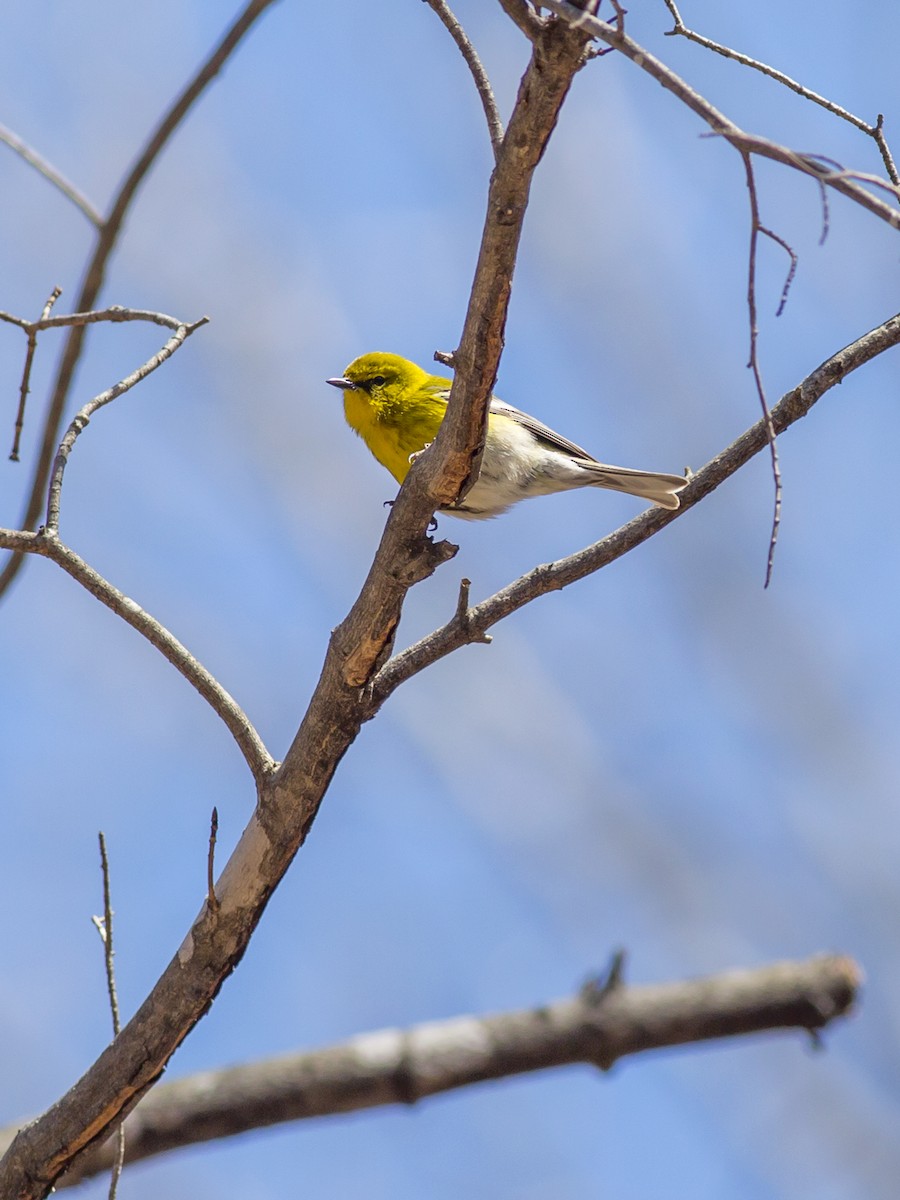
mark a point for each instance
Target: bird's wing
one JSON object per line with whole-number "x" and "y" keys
{"x": 539, "y": 429}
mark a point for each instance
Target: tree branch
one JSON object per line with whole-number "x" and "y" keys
{"x": 876, "y": 131}
{"x": 842, "y": 181}
{"x": 601, "y": 1024}
{"x": 84, "y": 414}
{"x": 107, "y": 237}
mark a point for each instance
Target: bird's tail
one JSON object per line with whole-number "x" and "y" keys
{"x": 649, "y": 485}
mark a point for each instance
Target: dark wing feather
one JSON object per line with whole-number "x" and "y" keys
{"x": 539, "y": 429}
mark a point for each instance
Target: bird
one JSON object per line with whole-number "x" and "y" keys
{"x": 396, "y": 407}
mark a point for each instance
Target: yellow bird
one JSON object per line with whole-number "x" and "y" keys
{"x": 397, "y": 408}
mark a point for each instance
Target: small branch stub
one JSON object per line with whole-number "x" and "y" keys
{"x": 211, "y": 896}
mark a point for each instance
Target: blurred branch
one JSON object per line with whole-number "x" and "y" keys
{"x": 756, "y": 228}
{"x": 472, "y": 625}
{"x": 842, "y": 181}
{"x": 876, "y": 131}
{"x": 479, "y": 75}
{"x": 49, "y": 172}
{"x": 601, "y": 1024}
{"x": 107, "y": 237}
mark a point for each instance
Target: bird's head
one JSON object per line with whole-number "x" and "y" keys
{"x": 381, "y": 375}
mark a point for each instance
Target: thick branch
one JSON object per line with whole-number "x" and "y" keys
{"x": 471, "y": 624}
{"x": 598, "y": 1026}
{"x": 107, "y": 237}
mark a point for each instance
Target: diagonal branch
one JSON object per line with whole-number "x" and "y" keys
{"x": 83, "y": 416}
{"x": 472, "y": 624}
{"x": 95, "y": 273}
{"x": 599, "y": 1025}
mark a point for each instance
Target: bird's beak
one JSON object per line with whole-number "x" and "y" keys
{"x": 342, "y": 383}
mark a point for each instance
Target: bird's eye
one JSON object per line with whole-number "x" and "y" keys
{"x": 378, "y": 381}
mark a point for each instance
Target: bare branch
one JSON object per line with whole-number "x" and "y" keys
{"x": 115, "y": 314}
{"x": 599, "y": 1025}
{"x": 107, "y": 238}
{"x": 104, "y": 927}
{"x": 886, "y": 155}
{"x": 875, "y": 131}
{"x": 69, "y": 190}
{"x": 553, "y": 576}
{"x": 25, "y": 386}
{"x": 84, "y": 414}
{"x": 792, "y": 269}
{"x": 755, "y": 229}
{"x": 479, "y": 75}
{"x": 842, "y": 181}
{"x": 47, "y": 545}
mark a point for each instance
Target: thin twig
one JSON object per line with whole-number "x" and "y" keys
{"x": 753, "y": 364}
{"x": 462, "y": 611}
{"x": 104, "y": 926}
{"x": 792, "y": 269}
{"x": 69, "y": 190}
{"x": 84, "y": 414}
{"x": 115, "y": 314}
{"x": 95, "y": 272}
{"x": 875, "y": 131}
{"x": 25, "y": 385}
{"x": 479, "y": 75}
{"x": 886, "y": 155}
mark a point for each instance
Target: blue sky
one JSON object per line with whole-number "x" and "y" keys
{"x": 663, "y": 757}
